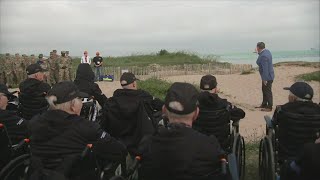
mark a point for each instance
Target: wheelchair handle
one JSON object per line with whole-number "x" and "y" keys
{"x": 224, "y": 165}
{"x": 86, "y": 150}
{"x": 21, "y": 143}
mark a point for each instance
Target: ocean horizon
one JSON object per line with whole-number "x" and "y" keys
{"x": 277, "y": 56}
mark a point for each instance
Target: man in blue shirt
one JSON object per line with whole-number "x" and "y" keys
{"x": 266, "y": 71}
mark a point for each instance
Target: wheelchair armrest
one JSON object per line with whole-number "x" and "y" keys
{"x": 268, "y": 120}
{"x": 233, "y": 166}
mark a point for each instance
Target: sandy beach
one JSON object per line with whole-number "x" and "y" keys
{"x": 245, "y": 91}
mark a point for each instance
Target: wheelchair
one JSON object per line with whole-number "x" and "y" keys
{"x": 84, "y": 166}
{"x": 218, "y": 123}
{"x": 285, "y": 135}
{"x": 9, "y": 151}
{"x": 228, "y": 169}
{"x": 90, "y": 110}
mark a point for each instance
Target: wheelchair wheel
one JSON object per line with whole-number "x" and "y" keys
{"x": 266, "y": 160}
{"x": 239, "y": 150}
{"x": 16, "y": 169}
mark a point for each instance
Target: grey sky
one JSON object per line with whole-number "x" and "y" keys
{"x": 127, "y": 27}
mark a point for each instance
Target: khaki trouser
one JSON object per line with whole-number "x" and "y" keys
{"x": 19, "y": 77}
{"x": 64, "y": 75}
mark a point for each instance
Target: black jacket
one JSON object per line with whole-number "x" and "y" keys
{"x": 126, "y": 116}
{"x": 85, "y": 83}
{"x": 299, "y": 107}
{"x": 57, "y": 135}
{"x": 32, "y": 98}
{"x": 179, "y": 152}
{"x": 212, "y": 102}
{"x": 16, "y": 126}
{"x": 310, "y": 161}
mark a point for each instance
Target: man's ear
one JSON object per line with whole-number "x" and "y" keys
{"x": 164, "y": 109}
{"x": 196, "y": 114}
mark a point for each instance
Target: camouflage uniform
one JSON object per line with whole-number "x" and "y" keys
{"x": 63, "y": 67}
{"x": 69, "y": 65}
{"x": 53, "y": 71}
{"x": 32, "y": 59}
{"x": 18, "y": 69}
{"x": 44, "y": 63}
{"x": 2, "y": 75}
{"x": 25, "y": 64}
{"x": 8, "y": 69}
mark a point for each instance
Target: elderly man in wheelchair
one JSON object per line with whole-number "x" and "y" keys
{"x": 59, "y": 142}
{"x": 215, "y": 118}
{"x": 292, "y": 126}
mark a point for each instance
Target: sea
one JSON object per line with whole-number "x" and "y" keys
{"x": 312, "y": 55}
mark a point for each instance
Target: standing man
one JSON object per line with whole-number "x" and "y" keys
{"x": 85, "y": 58}
{"x": 53, "y": 70}
{"x": 71, "y": 74}
{"x": 18, "y": 69}
{"x": 63, "y": 67}
{"x": 43, "y": 62}
{"x": 98, "y": 61}
{"x": 266, "y": 71}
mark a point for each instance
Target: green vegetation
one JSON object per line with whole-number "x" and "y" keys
{"x": 299, "y": 63}
{"x": 313, "y": 76}
{"x": 252, "y": 161}
{"x": 163, "y": 57}
{"x": 156, "y": 87}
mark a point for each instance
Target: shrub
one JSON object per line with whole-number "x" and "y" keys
{"x": 313, "y": 76}
{"x": 156, "y": 87}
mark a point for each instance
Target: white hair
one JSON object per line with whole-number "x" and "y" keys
{"x": 297, "y": 98}
{"x": 63, "y": 106}
{"x": 178, "y": 117}
{"x": 32, "y": 75}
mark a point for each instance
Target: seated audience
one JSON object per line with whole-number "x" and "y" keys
{"x": 85, "y": 82}
{"x": 60, "y": 133}
{"x": 15, "y": 125}
{"x": 177, "y": 151}
{"x": 125, "y": 114}
{"x": 32, "y": 92}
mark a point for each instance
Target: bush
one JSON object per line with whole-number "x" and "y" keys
{"x": 156, "y": 87}
{"x": 245, "y": 72}
{"x": 163, "y": 52}
{"x": 314, "y": 76}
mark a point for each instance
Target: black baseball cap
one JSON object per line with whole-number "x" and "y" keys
{"x": 301, "y": 90}
{"x": 208, "y": 82}
{"x": 34, "y": 68}
{"x": 66, "y": 91}
{"x": 127, "y": 78}
{"x": 183, "y": 93}
{"x": 4, "y": 90}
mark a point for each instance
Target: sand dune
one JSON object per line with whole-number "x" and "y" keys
{"x": 245, "y": 92}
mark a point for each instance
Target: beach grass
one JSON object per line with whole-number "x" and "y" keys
{"x": 313, "y": 76}
{"x": 245, "y": 72}
{"x": 156, "y": 87}
{"x": 298, "y": 63}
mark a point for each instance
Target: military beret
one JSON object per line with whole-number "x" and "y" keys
{"x": 40, "y": 55}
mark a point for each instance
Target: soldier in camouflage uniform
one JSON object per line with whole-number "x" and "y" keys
{"x": 32, "y": 59}
{"x": 69, "y": 65}
{"x": 63, "y": 67}
{"x": 53, "y": 72}
{"x": 2, "y": 74}
{"x": 9, "y": 70}
{"x": 18, "y": 69}
{"x": 44, "y": 63}
{"x": 25, "y": 64}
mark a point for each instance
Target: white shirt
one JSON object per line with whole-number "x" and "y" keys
{"x": 84, "y": 60}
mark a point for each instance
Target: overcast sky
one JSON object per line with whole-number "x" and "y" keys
{"x": 139, "y": 26}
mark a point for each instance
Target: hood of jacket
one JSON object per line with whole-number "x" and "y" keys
{"x": 84, "y": 73}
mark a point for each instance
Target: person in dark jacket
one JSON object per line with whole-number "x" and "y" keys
{"x": 299, "y": 100}
{"x": 85, "y": 82}
{"x": 126, "y": 114}
{"x": 15, "y": 125}
{"x": 210, "y": 101}
{"x": 60, "y": 133}
{"x": 32, "y": 92}
{"x": 179, "y": 152}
